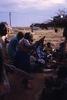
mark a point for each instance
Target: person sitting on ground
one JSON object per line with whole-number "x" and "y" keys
{"x": 48, "y": 48}
{"x": 48, "y": 51}
{"x": 39, "y": 51}
{"x": 22, "y": 57}
{"x": 61, "y": 48}
{"x": 12, "y": 46}
{"x": 60, "y": 52}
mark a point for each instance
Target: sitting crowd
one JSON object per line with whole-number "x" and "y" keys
{"x": 31, "y": 57}
{"x": 21, "y": 48}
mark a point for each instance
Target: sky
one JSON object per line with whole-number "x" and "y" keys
{"x": 25, "y": 12}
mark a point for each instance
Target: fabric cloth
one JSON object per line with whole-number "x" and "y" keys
{"x": 24, "y": 45}
{"x": 48, "y": 50}
{"x": 12, "y": 47}
{"x": 22, "y": 58}
{"x": 4, "y": 83}
{"x": 22, "y": 61}
{"x": 40, "y": 53}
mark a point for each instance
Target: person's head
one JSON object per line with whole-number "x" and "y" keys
{"x": 48, "y": 44}
{"x": 29, "y": 36}
{"x": 20, "y": 35}
{"x": 3, "y": 28}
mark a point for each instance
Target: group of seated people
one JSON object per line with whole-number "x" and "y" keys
{"x": 28, "y": 55}
{"x": 24, "y": 51}
{"x": 20, "y": 48}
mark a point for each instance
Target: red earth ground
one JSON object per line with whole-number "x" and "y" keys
{"x": 17, "y": 89}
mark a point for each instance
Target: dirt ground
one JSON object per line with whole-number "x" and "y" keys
{"x": 17, "y": 89}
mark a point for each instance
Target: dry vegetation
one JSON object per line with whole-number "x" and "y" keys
{"x": 51, "y": 36}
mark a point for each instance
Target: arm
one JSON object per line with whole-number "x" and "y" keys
{"x": 36, "y": 44}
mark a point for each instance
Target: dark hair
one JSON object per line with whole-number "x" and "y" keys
{"x": 20, "y": 35}
{"x": 3, "y": 28}
{"x": 48, "y": 43}
{"x": 29, "y": 36}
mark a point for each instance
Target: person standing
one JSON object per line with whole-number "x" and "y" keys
{"x": 4, "y": 83}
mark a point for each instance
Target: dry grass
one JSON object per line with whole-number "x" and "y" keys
{"x": 51, "y": 36}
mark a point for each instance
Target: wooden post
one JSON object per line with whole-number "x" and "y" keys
{"x": 32, "y": 28}
{"x": 10, "y": 18}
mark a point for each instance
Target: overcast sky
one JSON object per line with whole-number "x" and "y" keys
{"x": 26, "y": 12}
